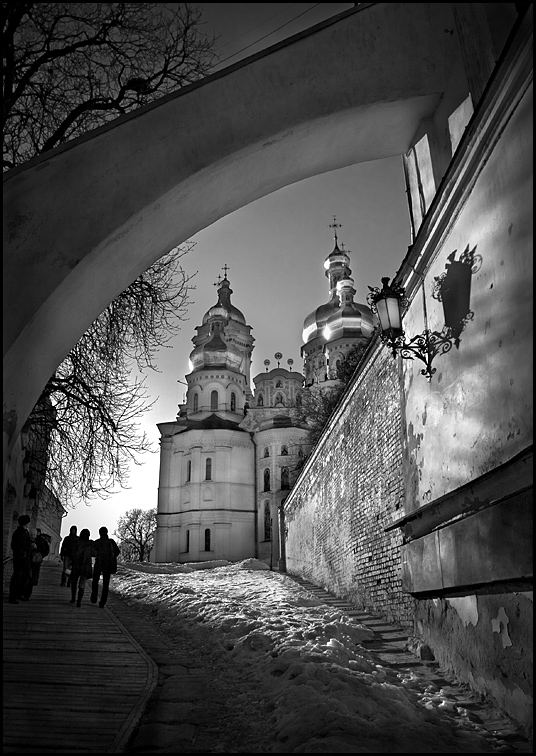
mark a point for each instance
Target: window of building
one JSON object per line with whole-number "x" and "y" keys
{"x": 300, "y": 453}
{"x": 207, "y": 539}
{"x": 267, "y": 479}
{"x": 189, "y": 471}
{"x": 284, "y": 451}
{"x": 233, "y": 402}
{"x": 267, "y": 522}
{"x": 208, "y": 469}
{"x": 266, "y": 452}
{"x": 196, "y": 402}
{"x": 279, "y": 384}
{"x": 187, "y": 541}
{"x": 260, "y": 401}
{"x": 279, "y": 399}
{"x": 298, "y": 400}
{"x": 214, "y": 400}
{"x": 285, "y": 482}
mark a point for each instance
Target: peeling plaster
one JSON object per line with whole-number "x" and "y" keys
{"x": 467, "y": 609}
{"x": 500, "y": 625}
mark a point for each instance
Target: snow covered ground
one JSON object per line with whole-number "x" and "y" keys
{"x": 324, "y": 691}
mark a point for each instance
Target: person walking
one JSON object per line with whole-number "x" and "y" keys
{"x": 106, "y": 552}
{"x": 21, "y": 546}
{"x": 68, "y": 547}
{"x": 82, "y": 568}
{"x": 40, "y": 549}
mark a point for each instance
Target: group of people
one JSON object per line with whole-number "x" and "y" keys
{"x": 28, "y": 553}
{"x": 77, "y": 554}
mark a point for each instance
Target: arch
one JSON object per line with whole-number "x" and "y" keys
{"x": 196, "y": 401}
{"x": 233, "y": 401}
{"x": 279, "y": 399}
{"x": 207, "y": 540}
{"x": 266, "y": 479}
{"x": 284, "y": 450}
{"x": 117, "y": 219}
{"x": 285, "y": 479}
{"x": 208, "y": 469}
{"x": 279, "y": 384}
{"x": 214, "y": 400}
{"x": 260, "y": 401}
{"x": 266, "y": 452}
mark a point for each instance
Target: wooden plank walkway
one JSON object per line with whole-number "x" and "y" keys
{"x": 75, "y": 680}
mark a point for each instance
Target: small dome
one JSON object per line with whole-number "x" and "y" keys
{"x": 223, "y": 308}
{"x": 316, "y": 320}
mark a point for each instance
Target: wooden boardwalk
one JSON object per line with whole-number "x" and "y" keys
{"x": 75, "y": 680}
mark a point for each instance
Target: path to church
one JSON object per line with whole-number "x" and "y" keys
{"x": 115, "y": 681}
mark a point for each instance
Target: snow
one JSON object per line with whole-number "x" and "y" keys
{"x": 324, "y": 691}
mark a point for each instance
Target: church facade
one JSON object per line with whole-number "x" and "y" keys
{"x": 231, "y": 456}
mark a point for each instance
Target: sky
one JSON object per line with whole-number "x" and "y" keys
{"x": 274, "y": 248}
{"x": 310, "y": 683}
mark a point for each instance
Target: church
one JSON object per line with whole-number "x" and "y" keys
{"x": 232, "y": 454}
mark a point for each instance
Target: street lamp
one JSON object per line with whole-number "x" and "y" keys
{"x": 388, "y": 303}
{"x": 452, "y": 289}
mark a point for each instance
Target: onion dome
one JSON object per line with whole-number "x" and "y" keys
{"x": 223, "y": 308}
{"x": 349, "y": 318}
{"x": 337, "y": 267}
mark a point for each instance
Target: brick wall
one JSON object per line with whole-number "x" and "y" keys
{"x": 350, "y": 490}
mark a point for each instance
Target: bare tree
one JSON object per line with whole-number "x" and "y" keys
{"x": 69, "y": 68}
{"x": 135, "y": 533}
{"x": 318, "y": 404}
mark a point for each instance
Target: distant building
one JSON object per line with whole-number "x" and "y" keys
{"x": 230, "y": 458}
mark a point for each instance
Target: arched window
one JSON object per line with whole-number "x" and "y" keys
{"x": 285, "y": 483}
{"x": 196, "y": 402}
{"x": 207, "y": 539}
{"x": 279, "y": 384}
{"x": 267, "y": 479}
{"x": 260, "y": 401}
{"x": 233, "y": 402}
{"x": 266, "y": 452}
{"x": 279, "y": 399}
{"x": 284, "y": 451}
{"x": 189, "y": 471}
{"x": 208, "y": 469}
{"x": 267, "y": 522}
{"x": 214, "y": 400}
{"x": 187, "y": 541}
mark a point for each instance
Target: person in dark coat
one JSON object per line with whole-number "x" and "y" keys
{"x": 82, "y": 568}
{"x": 106, "y": 552}
{"x": 21, "y": 546}
{"x": 39, "y": 551}
{"x": 68, "y": 547}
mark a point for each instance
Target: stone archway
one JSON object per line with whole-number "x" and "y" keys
{"x": 84, "y": 220}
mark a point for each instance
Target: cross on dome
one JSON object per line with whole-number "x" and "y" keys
{"x": 335, "y": 226}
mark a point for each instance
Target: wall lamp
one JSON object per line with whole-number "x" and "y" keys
{"x": 452, "y": 289}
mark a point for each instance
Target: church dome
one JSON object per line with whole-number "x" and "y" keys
{"x": 314, "y": 323}
{"x": 223, "y": 308}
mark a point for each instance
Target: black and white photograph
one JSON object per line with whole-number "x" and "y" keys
{"x": 268, "y": 396}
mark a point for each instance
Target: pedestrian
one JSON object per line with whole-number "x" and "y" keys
{"x": 40, "y": 550}
{"x": 68, "y": 547}
{"x": 21, "y": 546}
{"x": 106, "y": 552}
{"x": 82, "y": 568}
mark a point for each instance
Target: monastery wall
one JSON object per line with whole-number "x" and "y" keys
{"x": 335, "y": 517}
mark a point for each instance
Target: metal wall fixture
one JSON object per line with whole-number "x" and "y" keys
{"x": 452, "y": 289}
